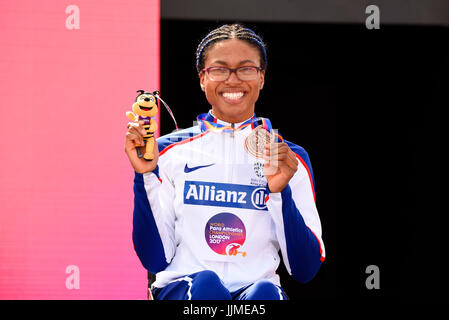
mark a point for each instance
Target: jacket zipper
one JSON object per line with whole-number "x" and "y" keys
{"x": 232, "y": 153}
{"x": 231, "y": 161}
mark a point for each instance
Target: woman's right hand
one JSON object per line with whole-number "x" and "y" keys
{"x": 134, "y": 140}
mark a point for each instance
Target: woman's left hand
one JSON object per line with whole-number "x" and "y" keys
{"x": 280, "y": 165}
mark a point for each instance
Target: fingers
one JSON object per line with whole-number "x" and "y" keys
{"x": 136, "y": 132}
{"x": 280, "y": 154}
{"x": 138, "y": 126}
{"x": 136, "y": 139}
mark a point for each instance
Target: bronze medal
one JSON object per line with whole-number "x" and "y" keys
{"x": 255, "y": 142}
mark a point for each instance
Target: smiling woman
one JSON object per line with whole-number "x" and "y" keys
{"x": 233, "y": 98}
{"x": 231, "y": 62}
{"x": 204, "y": 176}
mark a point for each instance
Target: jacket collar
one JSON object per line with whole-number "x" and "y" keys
{"x": 211, "y": 120}
{"x": 207, "y": 121}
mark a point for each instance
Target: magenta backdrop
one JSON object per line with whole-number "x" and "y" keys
{"x": 65, "y": 183}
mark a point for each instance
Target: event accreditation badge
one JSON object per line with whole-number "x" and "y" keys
{"x": 255, "y": 142}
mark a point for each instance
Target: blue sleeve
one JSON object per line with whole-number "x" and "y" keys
{"x": 146, "y": 238}
{"x": 303, "y": 247}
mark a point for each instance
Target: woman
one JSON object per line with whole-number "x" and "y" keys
{"x": 212, "y": 211}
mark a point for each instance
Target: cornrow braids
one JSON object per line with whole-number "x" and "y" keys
{"x": 230, "y": 31}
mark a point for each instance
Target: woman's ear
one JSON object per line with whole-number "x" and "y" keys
{"x": 202, "y": 81}
{"x": 262, "y": 79}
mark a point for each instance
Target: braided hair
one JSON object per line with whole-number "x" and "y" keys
{"x": 230, "y": 31}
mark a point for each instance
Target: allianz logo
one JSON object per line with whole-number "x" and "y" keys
{"x": 225, "y": 195}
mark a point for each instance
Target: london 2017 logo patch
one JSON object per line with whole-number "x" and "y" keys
{"x": 225, "y": 234}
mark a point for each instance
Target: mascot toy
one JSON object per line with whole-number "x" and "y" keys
{"x": 144, "y": 109}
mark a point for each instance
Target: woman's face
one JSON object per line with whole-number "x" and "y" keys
{"x": 232, "y": 100}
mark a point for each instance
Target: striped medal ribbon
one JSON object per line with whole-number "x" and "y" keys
{"x": 261, "y": 134}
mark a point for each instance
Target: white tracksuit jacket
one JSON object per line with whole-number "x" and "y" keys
{"x": 207, "y": 207}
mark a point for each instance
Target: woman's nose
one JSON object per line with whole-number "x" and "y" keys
{"x": 233, "y": 77}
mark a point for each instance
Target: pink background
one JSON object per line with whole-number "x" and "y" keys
{"x": 65, "y": 183}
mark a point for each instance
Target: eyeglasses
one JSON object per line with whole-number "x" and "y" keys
{"x": 222, "y": 73}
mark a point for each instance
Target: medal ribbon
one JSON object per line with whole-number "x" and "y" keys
{"x": 169, "y": 110}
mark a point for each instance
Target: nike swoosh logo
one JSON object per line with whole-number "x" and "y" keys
{"x": 187, "y": 169}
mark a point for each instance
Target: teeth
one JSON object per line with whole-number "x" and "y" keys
{"x": 233, "y": 95}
